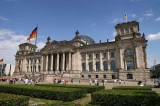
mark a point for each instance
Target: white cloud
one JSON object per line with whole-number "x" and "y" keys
{"x": 141, "y": 19}
{"x": 9, "y": 41}
{"x": 152, "y": 37}
{"x": 4, "y": 18}
{"x": 114, "y": 33}
{"x": 117, "y": 20}
{"x": 158, "y": 19}
{"x": 132, "y": 15}
{"x": 148, "y": 13}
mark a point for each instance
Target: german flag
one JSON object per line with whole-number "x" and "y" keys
{"x": 33, "y": 34}
{"x": 1, "y": 61}
{"x": 125, "y": 16}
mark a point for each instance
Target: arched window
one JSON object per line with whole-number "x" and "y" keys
{"x": 113, "y": 65}
{"x": 105, "y": 66}
{"x": 128, "y": 52}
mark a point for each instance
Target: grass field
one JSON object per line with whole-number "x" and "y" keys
{"x": 79, "y": 102}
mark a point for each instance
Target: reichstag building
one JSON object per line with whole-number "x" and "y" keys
{"x": 82, "y": 58}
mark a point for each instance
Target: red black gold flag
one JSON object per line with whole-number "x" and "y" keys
{"x": 33, "y": 34}
{"x": 1, "y": 61}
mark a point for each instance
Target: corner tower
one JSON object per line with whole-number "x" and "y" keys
{"x": 127, "y": 30}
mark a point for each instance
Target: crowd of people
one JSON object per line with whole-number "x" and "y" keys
{"x": 60, "y": 81}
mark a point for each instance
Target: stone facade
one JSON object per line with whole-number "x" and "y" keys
{"x": 82, "y": 58}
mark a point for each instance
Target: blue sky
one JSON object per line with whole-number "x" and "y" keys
{"x": 60, "y": 19}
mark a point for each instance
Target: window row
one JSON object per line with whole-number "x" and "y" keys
{"x": 97, "y": 55}
{"x": 126, "y": 31}
{"x": 105, "y": 66}
{"x": 31, "y": 61}
{"x": 129, "y": 76}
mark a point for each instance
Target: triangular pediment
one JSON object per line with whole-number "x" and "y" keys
{"x": 58, "y": 46}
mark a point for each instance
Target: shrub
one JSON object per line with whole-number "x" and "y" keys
{"x": 88, "y": 88}
{"x": 13, "y": 100}
{"x": 132, "y": 88}
{"x": 57, "y": 93}
{"x": 125, "y": 98}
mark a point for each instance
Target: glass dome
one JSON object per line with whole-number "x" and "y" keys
{"x": 85, "y": 39}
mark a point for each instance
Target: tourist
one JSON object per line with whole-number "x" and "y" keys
{"x": 26, "y": 81}
{"x": 95, "y": 81}
{"x": 103, "y": 82}
{"x": 90, "y": 82}
{"x": 119, "y": 82}
{"x": 124, "y": 81}
{"x": 71, "y": 80}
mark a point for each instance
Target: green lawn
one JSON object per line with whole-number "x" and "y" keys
{"x": 79, "y": 102}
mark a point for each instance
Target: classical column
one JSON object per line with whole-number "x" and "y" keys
{"x": 36, "y": 64}
{"x": 46, "y": 62}
{"x": 101, "y": 62}
{"x": 120, "y": 58}
{"x": 57, "y": 62}
{"x": 87, "y": 68}
{"x": 70, "y": 62}
{"x": 63, "y": 65}
{"x": 42, "y": 63}
{"x": 51, "y": 62}
{"x": 108, "y": 59}
{"x": 93, "y": 62}
{"x": 137, "y": 57}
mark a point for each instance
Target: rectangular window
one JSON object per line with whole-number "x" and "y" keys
{"x": 89, "y": 76}
{"x": 112, "y": 54}
{"x": 97, "y": 55}
{"x": 122, "y": 31}
{"x": 129, "y": 76}
{"x": 96, "y": 76}
{"x": 129, "y": 65}
{"x": 90, "y": 56}
{"x": 90, "y": 66}
{"x": 83, "y": 67}
{"x": 104, "y": 55}
{"x": 82, "y": 76}
{"x": 131, "y": 29}
{"x": 127, "y": 31}
{"x": 97, "y": 66}
{"x": 105, "y": 66}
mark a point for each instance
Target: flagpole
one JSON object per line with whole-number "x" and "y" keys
{"x": 33, "y": 72}
{"x": 126, "y": 16}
